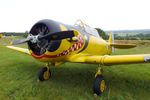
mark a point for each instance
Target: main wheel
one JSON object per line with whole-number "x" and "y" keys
{"x": 99, "y": 85}
{"x": 44, "y": 74}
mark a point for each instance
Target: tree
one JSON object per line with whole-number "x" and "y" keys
{"x": 101, "y": 33}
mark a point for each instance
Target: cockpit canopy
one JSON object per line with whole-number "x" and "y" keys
{"x": 87, "y": 28}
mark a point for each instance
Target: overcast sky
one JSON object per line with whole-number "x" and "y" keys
{"x": 20, "y": 15}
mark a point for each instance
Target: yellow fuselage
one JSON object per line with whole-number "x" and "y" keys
{"x": 87, "y": 43}
{"x": 92, "y": 46}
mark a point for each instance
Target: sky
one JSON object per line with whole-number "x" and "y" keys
{"x": 21, "y": 15}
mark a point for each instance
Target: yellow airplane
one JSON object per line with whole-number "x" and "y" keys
{"x": 56, "y": 43}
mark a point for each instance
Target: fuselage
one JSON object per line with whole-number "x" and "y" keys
{"x": 86, "y": 43}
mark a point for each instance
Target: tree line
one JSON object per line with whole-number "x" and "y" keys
{"x": 103, "y": 34}
{"x": 22, "y": 34}
{"x": 124, "y": 36}
{"x": 139, "y": 36}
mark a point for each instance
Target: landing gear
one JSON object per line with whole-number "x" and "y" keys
{"x": 99, "y": 85}
{"x": 44, "y": 73}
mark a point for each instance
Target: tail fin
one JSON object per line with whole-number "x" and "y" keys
{"x": 118, "y": 45}
{"x": 111, "y": 40}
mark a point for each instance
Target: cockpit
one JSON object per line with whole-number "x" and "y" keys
{"x": 87, "y": 29}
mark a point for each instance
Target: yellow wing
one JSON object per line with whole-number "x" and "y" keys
{"x": 23, "y": 50}
{"x": 103, "y": 60}
{"x": 111, "y": 60}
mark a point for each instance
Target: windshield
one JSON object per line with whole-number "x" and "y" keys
{"x": 86, "y": 28}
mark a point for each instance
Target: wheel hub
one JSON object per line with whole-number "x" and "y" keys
{"x": 102, "y": 86}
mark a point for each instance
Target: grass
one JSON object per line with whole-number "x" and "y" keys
{"x": 18, "y": 74}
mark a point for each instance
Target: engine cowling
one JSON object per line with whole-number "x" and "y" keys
{"x": 42, "y": 28}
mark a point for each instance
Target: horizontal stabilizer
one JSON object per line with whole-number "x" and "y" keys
{"x": 122, "y": 46}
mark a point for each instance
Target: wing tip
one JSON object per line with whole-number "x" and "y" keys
{"x": 147, "y": 58}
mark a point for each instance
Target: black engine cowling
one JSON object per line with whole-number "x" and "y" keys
{"x": 42, "y": 28}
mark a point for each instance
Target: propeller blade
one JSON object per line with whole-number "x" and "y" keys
{"x": 51, "y": 36}
{"x": 59, "y": 35}
{"x": 20, "y": 41}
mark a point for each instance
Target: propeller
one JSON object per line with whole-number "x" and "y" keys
{"x": 51, "y": 36}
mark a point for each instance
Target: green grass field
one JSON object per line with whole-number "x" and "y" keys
{"x": 18, "y": 75}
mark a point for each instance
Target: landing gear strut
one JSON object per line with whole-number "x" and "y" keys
{"x": 44, "y": 73}
{"x": 99, "y": 85}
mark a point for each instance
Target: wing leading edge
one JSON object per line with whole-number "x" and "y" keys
{"x": 112, "y": 60}
{"x": 23, "y": 50}
{"x": 103, "y": 60}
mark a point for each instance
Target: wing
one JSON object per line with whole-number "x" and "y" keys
{"x": 23, "y": 50}
{"x": 111, "y": 60}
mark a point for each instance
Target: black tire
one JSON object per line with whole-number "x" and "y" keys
{"x": 41, "y": 74}
{"x": 99, "y": 80}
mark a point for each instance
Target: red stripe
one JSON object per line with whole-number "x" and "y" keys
{"x": 43, "y": 55}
